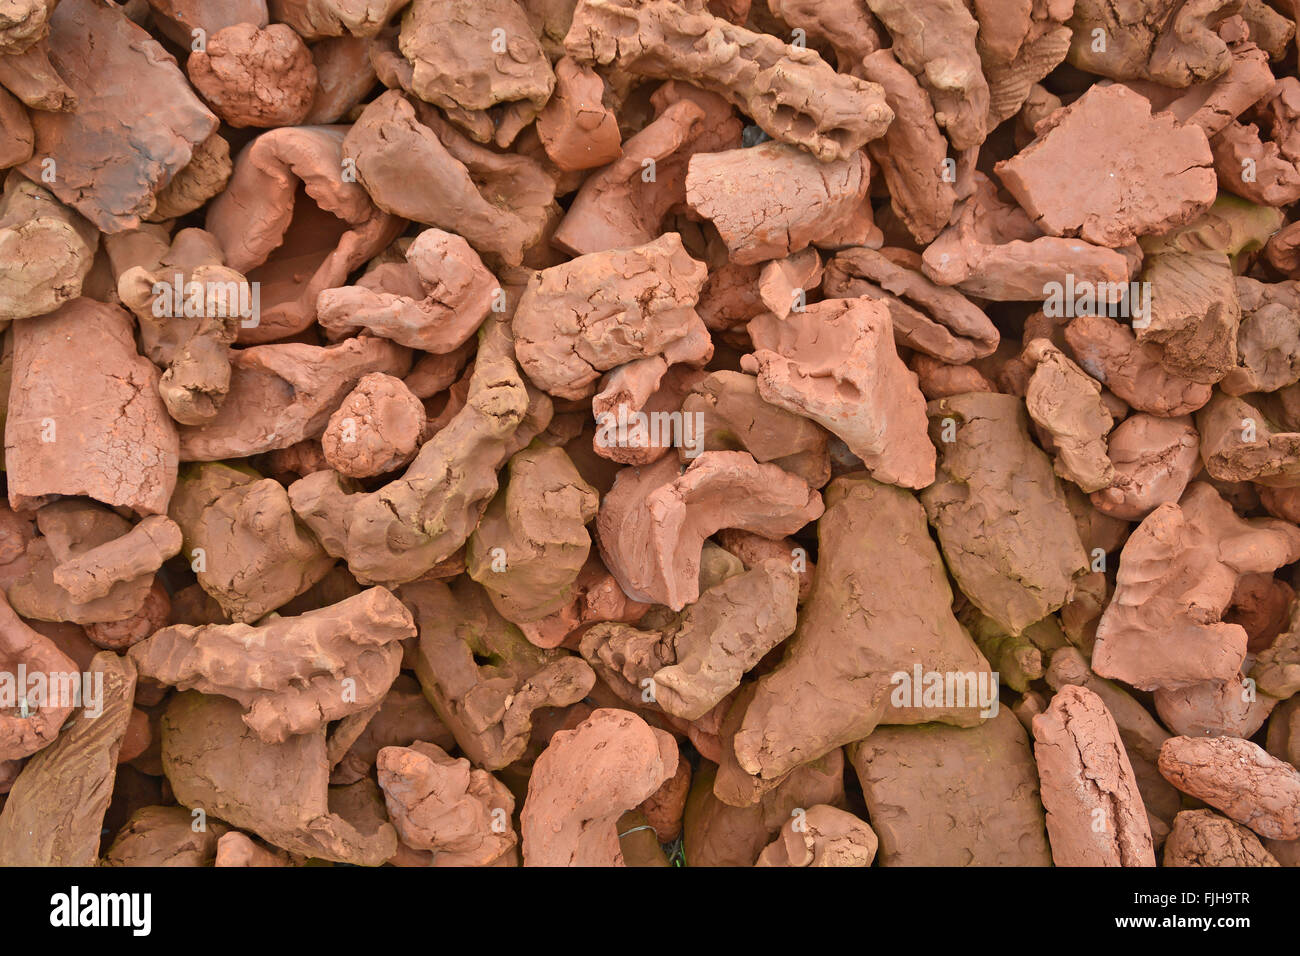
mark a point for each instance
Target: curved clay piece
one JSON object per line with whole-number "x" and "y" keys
{"x": 805, "y": 708}
{"x": 696, "y": 660}
{"x": 482, "y": 677}
{"x": 929, "y": 318}
{"x": 295, "y": 253}
{"x": 255, "y": 77}
{"x": 532, "y": 540}
{"x": 994, "y": 486}
{"x": 932, "y": 803}
{"x": 1239, "y": 779}
{"x": 399, "y": 532}
{"x": 458, "y": 295}
{"x": 439, "y": 803}
{"x": 54, "y": 813}
{"x": 376, "y": 430}
{"x": 1095, "y": 815}
{"x": 79, "y": 381}
{"x": 279, "y": 791}
{"x": 282, "y": 394}
{"x": 788, "y": 91}
{"x": 1154, "y": 459}
{"x": 823, "y": 836}
{"x": 936, "y": 41}
{"x": 622, "y": 761}
{"x": 498, "y": 202}
{"x": 1203, "y": 838}
{"x": 603, "y": 310}
{"x": 835, "y": 362}
{"x": 1163, "y": 628}
{"x": 993, "y": 250}
{"x": 142, "y": 550}
{"x": 293, "y": 674}
{"x": 653, "y": 522}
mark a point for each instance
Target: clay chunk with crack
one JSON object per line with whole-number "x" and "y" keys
{"x": 376, "y": 430}
{"x": 935, "y": 799}
{"x": 1066, "y": 402}
{"x": 246, "y": 546}
{"x": 1203, "y": 838}
{"x": 932, "y": 319}
{"x": 46, "y": 250}
{"x": 484, "y": 679}
{"x": 84, "y": 415}
{"x": 599, "y": 311}
{"x": 199, "y": 180}
{"x": 822, "y": 836}
{"x": 585, "y": 780}
{"x": 439, "y": 803}
{"x": 480, "y": 61}
{"x": 772, "y": 200}
{"x": 1163, "y": 628}
{"x": 1239, "y": 779}
{"x": 1154, "y": 459}
{"x": 1095, "y": 814}
{"x": 653, "y": 522}
{"x": 255, "y": 76}
{"x": 284, "y": 393}
{"x": 54, "y": 814}
{"x": 1109, "y": 352}
{"x": 936, "y": 42}
{"x": 1001, "y": 516}
{"x": 399, "y": 532}
{"x": 1276, "y": 670}
{"x": 1157, "y": 174}
{"x": 26, "y": 729}
{"x": 699, "y": 657}
{"x": 790, "y": 92}
{"x": 532, "y": 540}
{"x": 1166, "y": 41}
{"x": 1268, "y": 338}
{"x": 836, "y": 682}
{"x": 1241, "y": 443}
{"x": 280, "y": 791}
{"x": 164, "y": 836}
{"x": 577, "y": 130}
{"x": 292, "y": 674}
{"x": 137, "y": 121}
{"x": 457, "y": 294}
{"x": 290, "y": 220}
{"x": 313, "y": 19}
{"x": 499, "y": 202}
{"x": 835, "y": 362}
